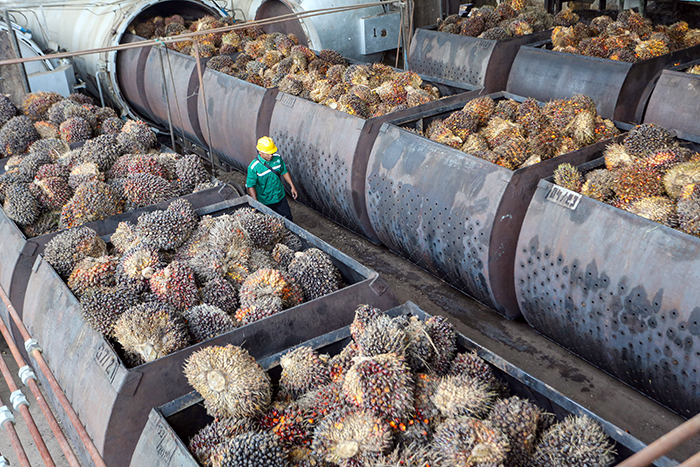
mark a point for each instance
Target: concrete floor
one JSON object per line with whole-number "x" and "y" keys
{"x": 514, "y": 341}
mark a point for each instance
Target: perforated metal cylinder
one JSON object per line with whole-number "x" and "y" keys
{"x": 615, "y": 289}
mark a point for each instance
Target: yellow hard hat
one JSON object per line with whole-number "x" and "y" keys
{"x": 266, "y": 145}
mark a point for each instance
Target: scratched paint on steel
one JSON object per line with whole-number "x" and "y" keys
{"x": 112, "y": 400}
{"x": 454, "y": 58}
{"x": 615, "y": 289}
{"x": 619, "y": 89}
{"x": 234, "y": 109}
{"x": 675, "y": 101}
{"x": 163, "y": 442}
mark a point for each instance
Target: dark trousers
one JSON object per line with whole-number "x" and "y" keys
{"x": 282, "y": 208}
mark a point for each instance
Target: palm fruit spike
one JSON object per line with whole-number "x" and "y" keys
{"x": 75, "y": 129}
{"x": 36, "y": 104}
{"x": 175, "y": 285}
{"x": 47, "y": 129}
{"x": 102, "y": 306}
{"x": 168, "y": 229}
{"x": 92, "y": 201}
{"x": 251, "y": 448}
{"x": 151, "y": 330}
{"x": 364, "y": 315}
{"x": 681, "y": 175}
{"x": 84, "y": 172}
{"x": 196, "y": 241}
{"x": 102, "y": 150}
{"x": 513, "y": 153}
{"x": 656, "y": 208}
{"x": 142, "y": 189}
{"x": 569, "y": 177}
{"x": 124, "y": 237}
{"x": 282, "y": 255}
{"x": 665, "y": 159}
{"x": 391, "y": 92}
{"x": 220, "y": 293}
{"x": 190, "y": 171}
{"x": 647, "y": 138}
{"x": 315, "y": 273}
{"x": 616, "y": 156}
{"x": 332, "y": 57}
{"x": 264, "y": 230}
{"x": 636, "y": 181}
{"x": 426, "y": 411}
{"x": 17, "y": 135}
{"x": 303, "y": 369}
{"x": 231, "y": 382}
{"x": 325, "y": 400}
{"x": 531, "y": 116}
{"x": 598, "y": 185}
{"x": 461, "y": 124}
{"x": 444, "y": 340}
{"x": 382, "y": 335}
{"x": 470, "y": 442}
{"x": 688, "y": 210}
{"x": 136, "y": 267}
{"x": 480, "y": 109}
{"x": 140, "y": 132}
{"x": 496, "y": 34}
{"x": 576, "y": 441}
{"x": 292, "y": 424}
{"x": 470, "y": 364}
{"x": 339, "y": 364}
{"x": 342, "y": 438}
{"x": 51, "y": 147}
{"x": 582, "y": 128}
{"x": 383, "y": 384}
{"x": 419, "y": 350}
{"x": 439, "y": 132}
{"x": 206, "y": 441}
{"x": 93, "y": 272}
{"x": 262, "y": 307}
{"x": 47, "y": 222}
{"x": 20, "y": 204}
{"x": 207, "y": 321}
{"x": 519, "y": 420}
{"x": 68, "y": 248}
{"x": 463, "y": 396}
{"x": 7, "y": 110}
{"x": 269, "y": 282}
{"x": 412, "y": 455}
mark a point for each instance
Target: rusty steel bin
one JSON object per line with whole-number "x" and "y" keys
{"x": 675, "y": 100}
{"x": 112, "y": 400}
{"x": 619, "y": 89}
{"x": 163, "y": 442}
{"x": 326, "y": 152}
{"x": 614, "y": 288}
{"x": 454, "y": 58}
{"x": 455, "y": 215}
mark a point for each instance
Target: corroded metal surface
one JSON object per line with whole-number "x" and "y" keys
{"x": 614, "y": 288}
{"x": 619, "y": 89}
{"x": 675, "y": 101}
{"x": 453, "y": 214}
{"x": 169, "y": 427}
{"x": 453, "y": 58}
{"x": 113, "y": 401}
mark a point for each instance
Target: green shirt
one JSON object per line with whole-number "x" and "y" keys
{"x": 268, "y": 186}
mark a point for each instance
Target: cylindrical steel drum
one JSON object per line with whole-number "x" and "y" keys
{"x": 455, "y": 215}
{"x": 453, "y": 58}
{"x": 619, "y": 89}
{"x": 616, "y": 289}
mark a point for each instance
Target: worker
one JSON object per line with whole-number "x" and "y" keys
{"x": 265, "y": 175}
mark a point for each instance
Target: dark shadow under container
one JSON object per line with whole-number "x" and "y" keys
{"x": 455, "y": 215}
{"x": 164, "y": 439}
{"x": 619, "y": 89}
{"x": 675, "y": 100}
{"x": 614, "y": 288}
{"x": 454, "y": 58}
{"x": 112, "y": 400}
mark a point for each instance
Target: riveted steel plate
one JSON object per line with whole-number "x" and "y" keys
{"x": 113, "y": 401}
{"x": 453, "y": 58}
{"x": 453, "y": 214}
{"x": 675, "y": 101}
{"x": 326, "y": 153}
{"x": 617, "y": 290}
{"x": 163, "y": 442}
{"x": 235, "y": 115}
{"x": 619, "y": 89}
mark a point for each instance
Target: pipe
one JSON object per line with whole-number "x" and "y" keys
{"x": 663, "y": 445}
{"x": 34, "y": 387}
{"x": 8, "y": 421}
{"x": 23, "y": 408}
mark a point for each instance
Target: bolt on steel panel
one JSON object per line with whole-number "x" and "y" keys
{"x": 455, "y": 215}
{"x": 453, "y": 58}
{"x": 615, "y": 289}
{"x": 112, "y": 400}
{"x": 163, "y": 442}
{"x": 619, "y": 89}
{"x": 675, "y": 101}
{"x": 236, "y": 114}
{"x": 326, "y": 153}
